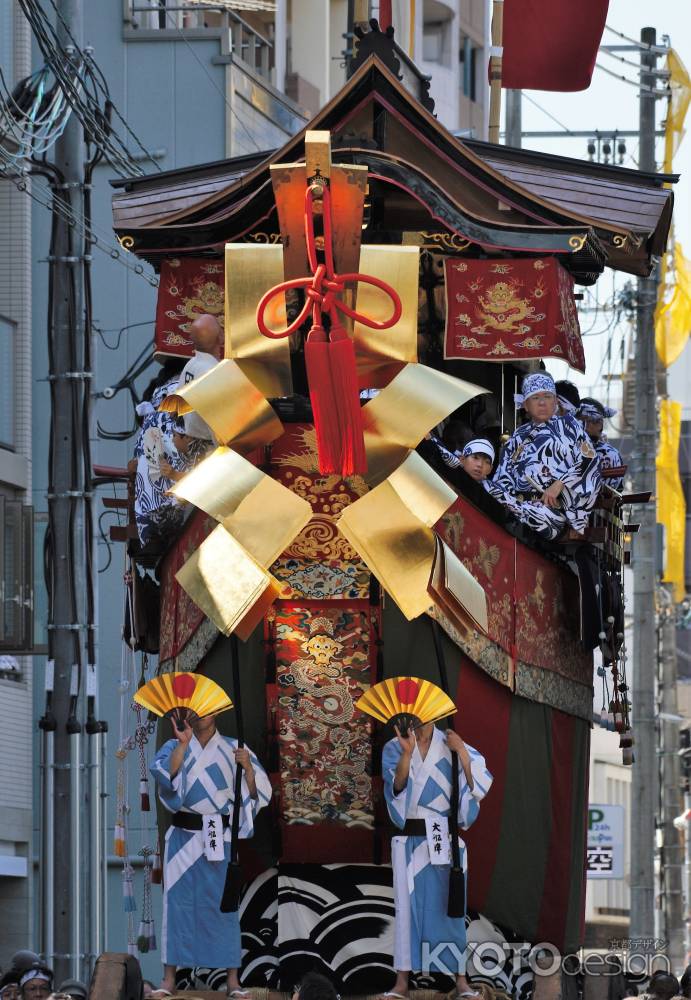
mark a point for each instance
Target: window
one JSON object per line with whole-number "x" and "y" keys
{"x": 436, "y": 33}
{"x": 468, "y": 57}
{"x": 16, "y": 583}
{"x": 7, "y": 380}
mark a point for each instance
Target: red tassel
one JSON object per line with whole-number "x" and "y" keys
{"x": 317, "y": 362}
{"x": 346, "y": 401}
{"x": 144, "y": 796}
{"x": 156, "y": 871}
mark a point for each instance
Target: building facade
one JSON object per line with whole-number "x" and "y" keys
{"x": 16, "y": 766}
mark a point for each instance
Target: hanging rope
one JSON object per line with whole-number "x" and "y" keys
{"x": 330, "y": 354}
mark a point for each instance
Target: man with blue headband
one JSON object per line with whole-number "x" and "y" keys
{"x": 549, "y": 473}
{"x": 592, "y": 414}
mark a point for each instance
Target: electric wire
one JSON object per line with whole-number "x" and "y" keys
{"x": 663, "y": 73}
{"x": 89, "y": 113}
{"x": 68, "y": 217}
{"x": 658, "y": 49}
{"x": 642, "y": 88}
{"x": 546, "y": 112}
{"x": 103, "y": 86}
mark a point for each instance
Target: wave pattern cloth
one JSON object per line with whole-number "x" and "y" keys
{"x": 421, "y": 889}
{"x": 194, "y": 931}
{"x": 338, "y": 919}
{"x": 534, "y": 457}
{"x": 158, "y": 515}
{"x": 610, "y": 458}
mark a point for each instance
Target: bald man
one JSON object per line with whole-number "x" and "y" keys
{"x": 206, "y": 333}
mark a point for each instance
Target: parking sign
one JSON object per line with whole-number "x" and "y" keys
{"x": 605, "y": 857}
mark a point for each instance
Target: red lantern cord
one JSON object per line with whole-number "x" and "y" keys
{"x": 330, "y": 358}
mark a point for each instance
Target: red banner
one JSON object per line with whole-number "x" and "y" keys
{"x": 189, "y": 287}
{"x": 551, "y": 44}
{"x": 511, "y": 310}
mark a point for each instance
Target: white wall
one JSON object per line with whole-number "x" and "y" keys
{"x": 610, "y": 784}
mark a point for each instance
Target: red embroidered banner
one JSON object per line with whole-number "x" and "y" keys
{"x": 511, "y": 310}
{"x": 188, "y": 288}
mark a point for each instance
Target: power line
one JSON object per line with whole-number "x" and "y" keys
{"x": 94, "y": 120}
{"x": 103, "y": 86}
{"x": 633, "y": 83}
{"x": 659, "y": 50}
{"x": 68, "y": 217}
{"x": 546, "y": 112}
{"x": 629, "y": 62}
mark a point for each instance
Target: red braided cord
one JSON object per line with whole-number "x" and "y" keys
{"x": 324, "y": 286}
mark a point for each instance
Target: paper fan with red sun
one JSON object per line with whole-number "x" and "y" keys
{"x": 407, "y": 702}
{"x": 183, "y": 695}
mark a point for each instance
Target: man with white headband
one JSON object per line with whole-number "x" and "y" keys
{"x": 477, "y": 459}
{"x": 36, "y": 983}
{"x": 548, "y": 474}
{"x": 592, "y": 414}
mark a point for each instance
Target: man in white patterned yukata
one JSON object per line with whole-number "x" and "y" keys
{"x": 195, "y": 774}
{"x": 417, "y": 772}
{"x": 549, "y": 472}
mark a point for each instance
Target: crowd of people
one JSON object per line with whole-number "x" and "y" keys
{"x": 549, "y": 473}
{"x": 28, "y": 978}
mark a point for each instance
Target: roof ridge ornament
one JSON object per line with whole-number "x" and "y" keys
{"x": 383, "y": 45}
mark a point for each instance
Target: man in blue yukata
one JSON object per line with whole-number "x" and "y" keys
{"x": 195, "y": 774}
{"x": 417, "y": 769}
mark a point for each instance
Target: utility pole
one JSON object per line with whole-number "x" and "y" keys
{"x": 644, "y": 780}
{"x": 671, "y": 852}
{"x": 66, "y": 506}
{"x": 514, "y": 124}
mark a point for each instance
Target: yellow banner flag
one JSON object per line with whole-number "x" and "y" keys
{"x": 671, "y": 508}
{"x": 673, "y": 313}
{"x": 680, "y": 97}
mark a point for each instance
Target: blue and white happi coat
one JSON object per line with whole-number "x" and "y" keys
{"x": 534, "y": 457}
{"x": 610, "y": 458}
{"x": 421, "y": 889}
{"x": 194, "y": 931}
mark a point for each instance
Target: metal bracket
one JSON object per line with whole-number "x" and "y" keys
{"x": 70, "y": 628}
{"x": 74, "y": 375}
{"x": 69, "y": 493}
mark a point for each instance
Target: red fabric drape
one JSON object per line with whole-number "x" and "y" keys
{"x": 188, "y": 288}
{"x": 384, "y": 14}
{"x": 511, "y": 309}
{"x": 551, "y": 44}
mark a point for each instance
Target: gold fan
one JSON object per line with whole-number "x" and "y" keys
{"x": 183, "y": 695}
{"x": 407, "y": 702}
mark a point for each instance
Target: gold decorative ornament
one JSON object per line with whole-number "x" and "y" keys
{"x": 577, "y": 242}
{"x": 448, "y": 241}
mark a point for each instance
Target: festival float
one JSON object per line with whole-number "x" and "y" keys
{"x": 329, "y": 546}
